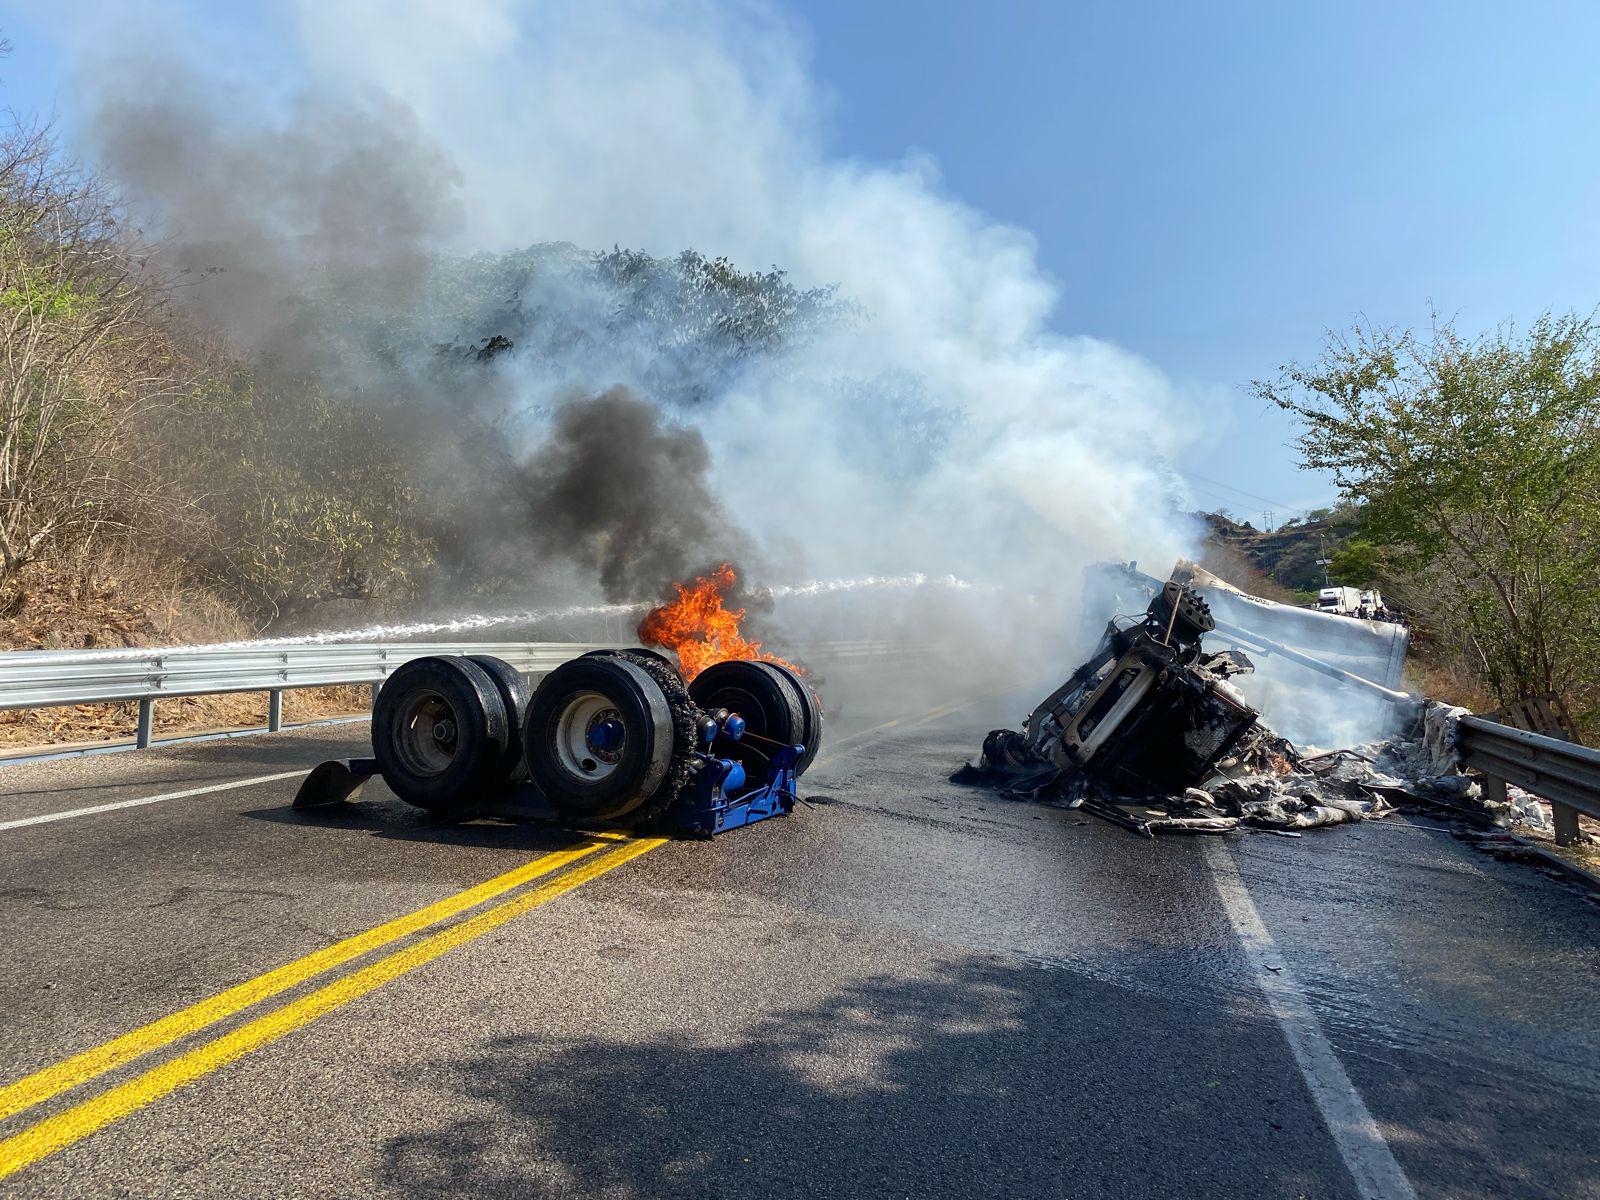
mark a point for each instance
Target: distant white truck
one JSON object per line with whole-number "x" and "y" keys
{"x": 1345, "y": 601}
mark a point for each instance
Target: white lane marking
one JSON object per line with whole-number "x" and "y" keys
{"x": 46, "y": 818}
{"x": 1366, "y": 1155}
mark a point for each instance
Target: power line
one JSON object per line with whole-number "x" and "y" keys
{"x": 1276, "y": 504}
{"x": 1229, "y": 503}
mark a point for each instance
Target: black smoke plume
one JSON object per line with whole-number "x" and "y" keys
{"x": 618, "y": 488}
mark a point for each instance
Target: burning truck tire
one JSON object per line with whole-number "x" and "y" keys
{"x": 515, "y": 695}
{"x": 638, "y": 653}
{"x": 440, "y": 732}
{"x": 778, "y": 710}
{"x": 810, "y": 717}
{"x": 610, "y": 735}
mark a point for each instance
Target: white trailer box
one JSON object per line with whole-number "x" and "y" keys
{"x": 1345, "y": 601}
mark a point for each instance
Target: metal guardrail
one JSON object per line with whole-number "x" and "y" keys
{"x": 1564, "y": 773}
{"x": 845, "y": 652}
{"x": 55, "y": 678}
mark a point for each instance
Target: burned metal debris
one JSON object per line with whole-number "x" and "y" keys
{"x": 1151, "y": 734}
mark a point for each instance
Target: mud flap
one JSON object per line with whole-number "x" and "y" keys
{"x": 334, "y": 781}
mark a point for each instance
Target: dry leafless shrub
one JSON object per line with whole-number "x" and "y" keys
{"x": 83, "y": 358}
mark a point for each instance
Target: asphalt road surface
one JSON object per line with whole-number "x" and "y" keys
{"x": 905, "y": 989}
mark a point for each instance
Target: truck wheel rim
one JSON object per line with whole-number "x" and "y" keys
{"x": 429, "y": 733}
{"x": 575, "y": 743}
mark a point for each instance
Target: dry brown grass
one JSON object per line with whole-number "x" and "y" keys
{"x": 1229, "y": 565}
{"x": 121, "y": 601}
{"x": 175, "y": 717}
{"x": 1444, "y": 681}
{"x": 109, "y": 601}
{"x": 1585, "y": 853}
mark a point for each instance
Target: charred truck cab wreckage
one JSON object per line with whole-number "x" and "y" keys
{"x": 1150, "y": 732}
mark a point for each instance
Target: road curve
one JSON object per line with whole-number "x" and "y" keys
{"x": 907, "y": 988}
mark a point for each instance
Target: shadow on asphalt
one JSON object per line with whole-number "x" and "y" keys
{"x": 395, "y": 821}
{"x": 979, "y": 1079}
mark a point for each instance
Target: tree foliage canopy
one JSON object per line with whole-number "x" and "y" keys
{"x": 1476, "y": 464}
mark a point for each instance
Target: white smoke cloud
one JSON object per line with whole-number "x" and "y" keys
{"x": 664, "y": 126}
{"x": 644, "y": 124}
{"x": 699, "y": 124}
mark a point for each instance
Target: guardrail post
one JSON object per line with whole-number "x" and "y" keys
{"x": 1566, "y": 820}
{"x": 147, "y": 723}
{"x": 375, "y": 688}
{"x": 274, "y": 710}
{"x": 1494, "y": 790}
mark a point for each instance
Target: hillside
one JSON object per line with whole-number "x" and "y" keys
{"x": 1287, "y": 555}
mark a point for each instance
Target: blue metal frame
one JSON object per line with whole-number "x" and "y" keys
{"x": 712, "y": 802}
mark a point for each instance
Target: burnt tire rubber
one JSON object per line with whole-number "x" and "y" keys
{"x": 1007, "y": 750}
{"x": 640, "y": 652}
{"x": 769, "y": 703}
{"x": 439, "y": 733}
{"x": 686, "y": 715}
{"x": 810, "y": 716}
{"x": 515, "y": 695}
{"x": 582, "y": 781}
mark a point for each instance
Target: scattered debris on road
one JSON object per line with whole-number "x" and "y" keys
{"x": 1152, "y": 734}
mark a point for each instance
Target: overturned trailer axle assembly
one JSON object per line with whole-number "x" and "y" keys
{"x": 615, "y": 737}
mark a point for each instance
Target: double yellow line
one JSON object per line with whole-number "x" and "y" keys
{"x": 75, "y": 1123}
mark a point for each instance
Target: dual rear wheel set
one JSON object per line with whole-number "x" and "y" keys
{"x": 610, "y": 736}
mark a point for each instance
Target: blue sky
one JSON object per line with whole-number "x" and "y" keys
{"x": 1210, "y": 186}
{"x": 1214, "y": 185}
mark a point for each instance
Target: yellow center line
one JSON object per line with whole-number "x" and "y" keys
{"x": 56, "y": 1133}
{"x": 835, "y": 743}
{"x": 933, "y": 714}
{"x": 81, "y": 1068}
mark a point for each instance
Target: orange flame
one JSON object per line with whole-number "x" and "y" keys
{"x": 700, "y": 628}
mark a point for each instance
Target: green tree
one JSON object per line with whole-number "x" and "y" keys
{"x": 1476, "y": 464}
{"x": 1357, "y": 562}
